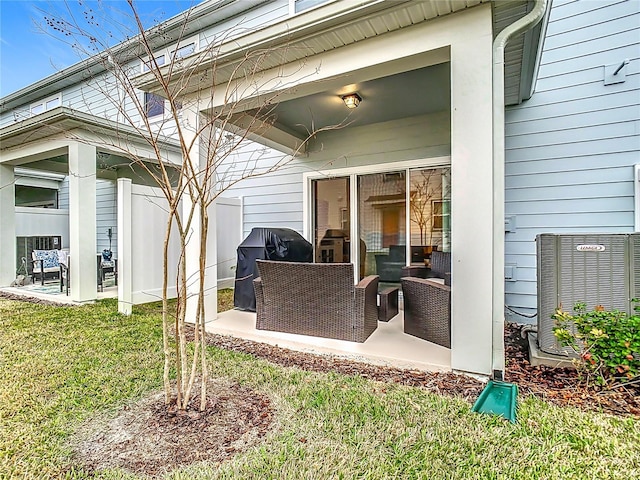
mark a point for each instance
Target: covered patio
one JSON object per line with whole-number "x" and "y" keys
{"x": 85, "y": 148}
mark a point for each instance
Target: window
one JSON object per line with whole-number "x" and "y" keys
{"x": 53, "y": 103}
{"x": 39, "y": 108}
{"x": 300, "y": 5}
{"x": 185, "y": 50}
{"x": 45, "y": 105}
{"x": 153, "y": 105}
{"x": 440, "y": 212}
{"x": 28, "y": 196}
{"x": 146, "y": 66}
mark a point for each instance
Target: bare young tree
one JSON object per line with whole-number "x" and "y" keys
{"x": 210, "y": 134}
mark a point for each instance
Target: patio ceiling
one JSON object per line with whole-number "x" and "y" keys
{"x": 409, "y": 94}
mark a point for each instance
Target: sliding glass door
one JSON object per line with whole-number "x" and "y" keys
{"x": 430, "y": 212}
{"x": 332, "y": 220}
{"x": 382, "y": 223}
{"x": 401, "y": 217}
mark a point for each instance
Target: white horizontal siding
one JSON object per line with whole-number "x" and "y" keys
{"x": 94, "y": 97}
{"x": 106, "y": 215}
{"x": 572, "y": 164}
{"x": 13, "y": 116}
{"x": 106, "y": 211}
{"x": 597, "y": 190}
{"x": 247, "y": 22}
{"x": 606, "y": 116}
{"x": 63, "y": 194}
{"x": 571, "y": 148}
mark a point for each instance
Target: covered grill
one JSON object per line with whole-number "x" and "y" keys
{"x": 265, "y": 243}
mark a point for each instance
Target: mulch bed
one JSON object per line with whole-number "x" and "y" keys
{"x": 564, "y": 386}
{"x": 561, "y": 386}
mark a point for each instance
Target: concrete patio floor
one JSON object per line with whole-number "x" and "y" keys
{"x": 388, "y": 345}
{"x": 51, "y": 292}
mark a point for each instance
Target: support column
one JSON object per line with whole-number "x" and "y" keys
{"x": 192, "y": 250}
{"x": 7, "y": 225}
{"x": 82, "y": 222}
{"x": 472, "y": 196}
{"x": 125, "y": 258}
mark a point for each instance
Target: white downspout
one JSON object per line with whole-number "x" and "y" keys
{"x": 499, "y": 44}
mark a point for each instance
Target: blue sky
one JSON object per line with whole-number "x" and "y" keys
{"x": 27, "y": 54}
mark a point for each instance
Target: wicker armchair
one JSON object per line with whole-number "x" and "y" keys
{"x": 427, "y": 310}
{"x": 317, "y": 299}
{"x": 440, "y": 266}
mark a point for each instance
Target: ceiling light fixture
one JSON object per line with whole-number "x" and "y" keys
{"x": 352, "y": 100}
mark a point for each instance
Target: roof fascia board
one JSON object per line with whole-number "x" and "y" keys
{"x": 81, "y": 120}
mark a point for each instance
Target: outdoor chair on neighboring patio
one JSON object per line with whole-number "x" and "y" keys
{"x": 318, "y": 299}
{"x": 427, "y": 310}
{"x": 45, "y": 262}
{"x": 105, "y": 264}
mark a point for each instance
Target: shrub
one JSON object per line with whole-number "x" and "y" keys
{"x": 607, "y": 342}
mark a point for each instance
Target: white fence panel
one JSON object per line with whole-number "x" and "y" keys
{"x": 148, "y": 225}
{"x": 229, "y": 236}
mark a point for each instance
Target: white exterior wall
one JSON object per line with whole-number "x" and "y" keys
{"x": 228, "y": 216}
{"x": 8, "y": 118}
{"x": 571, "y": 148}
{"x": 261, "y": 16}
{"x": 32, "y": 221}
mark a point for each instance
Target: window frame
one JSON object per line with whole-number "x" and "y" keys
{"x": 145, "y": 65}
{"x": 167, "y": 52}
{"x": 43, "y": 104}
{"x": 439, "y": 214}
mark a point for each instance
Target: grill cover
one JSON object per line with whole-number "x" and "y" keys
{"x": 265, "y": 243}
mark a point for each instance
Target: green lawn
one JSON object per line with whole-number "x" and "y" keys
{"x": 59, "y": 366}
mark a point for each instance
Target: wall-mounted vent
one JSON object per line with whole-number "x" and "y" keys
{"x": 597, "y": 269}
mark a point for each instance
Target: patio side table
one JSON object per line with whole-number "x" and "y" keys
{"x": 388, "y": 307}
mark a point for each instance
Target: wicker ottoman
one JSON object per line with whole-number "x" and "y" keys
{"x": 388, "y": 307}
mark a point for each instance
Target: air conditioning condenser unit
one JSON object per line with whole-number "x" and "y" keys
{"x": 596, "y": 269}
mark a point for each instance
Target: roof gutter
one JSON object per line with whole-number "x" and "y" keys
{"x": 521, "y": 25}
